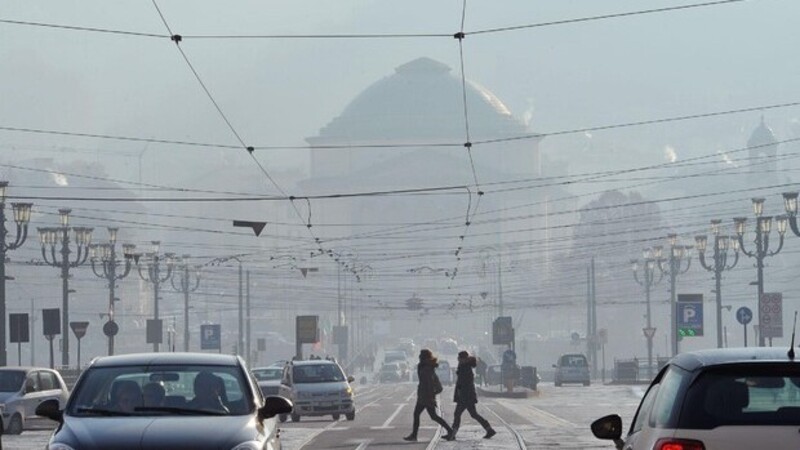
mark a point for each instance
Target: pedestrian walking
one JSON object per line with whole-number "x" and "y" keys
{"x": 465, "y": 395}
{"x": 428, "y": 388}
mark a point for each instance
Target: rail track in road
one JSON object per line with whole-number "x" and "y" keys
{"x": 517, "y": 435}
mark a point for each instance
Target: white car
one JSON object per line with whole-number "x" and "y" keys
{"x": 730, "y": 399}
{"x": 22, "y": 389}
{"x": 317, "y": 388}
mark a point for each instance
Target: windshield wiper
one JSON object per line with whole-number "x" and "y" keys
{"x": 103, "y": 412}
{"x": 183, "y": 411}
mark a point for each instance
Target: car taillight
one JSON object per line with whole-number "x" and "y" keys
{"x": 678, "y": 444}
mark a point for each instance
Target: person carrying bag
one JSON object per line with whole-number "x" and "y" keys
{"x": 428, "y": 388}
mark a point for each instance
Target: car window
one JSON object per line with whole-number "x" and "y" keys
{"x": 32, "y": 382}
{"x": 665, "y": 412}
{"x": 267, "y": 374}
{"x": 48, "y": 381}
{"x": 141, "y": 390}
{"x": 764, "y": 394}
{"x": 317, "y": 373}
{"x": 644, "y": 409}
{"x": 11, "y": 380}
{"x": 573, "y": 361}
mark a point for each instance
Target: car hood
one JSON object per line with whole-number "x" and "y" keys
{"x": 333, "y": 386}
{"x": 4, "y": 396}
{"x": 177, "y": 433}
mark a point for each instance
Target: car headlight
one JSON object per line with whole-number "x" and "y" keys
{"x": 59, "y": 447}
{"x": 249, "y": 445}
{"x": 348, "y": 392}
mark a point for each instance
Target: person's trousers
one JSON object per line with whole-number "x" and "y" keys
{"x": 431, "y": 412}
{"x": 469, "y": 407}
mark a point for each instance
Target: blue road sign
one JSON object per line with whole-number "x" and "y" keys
{"x": 211, "y": 337}
{"x": 744, "y": 315}
{"x": 690, "y": 318}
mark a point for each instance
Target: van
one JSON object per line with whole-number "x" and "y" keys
{"x": 572, "y": 368}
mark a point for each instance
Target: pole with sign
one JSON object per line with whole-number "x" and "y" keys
{"x": 770, "y": 308}
{"x": 51, "y": 326}
{"x": 744, "y": 315}
{"x": 18, "y": 327}
{"x": 79, "y": 328}
{"x": 211, "y": 337}
{"x": 690, "y": 315}
{"x": 306, "y": 332}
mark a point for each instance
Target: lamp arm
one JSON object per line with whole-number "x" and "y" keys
{"x": 53, "y": 254}
{"x": 688, "y": 266}
{"x": 127, "y": 270}
{"x": 702, "y": 257}
{"x": 98, "y": 274}
{"x": 780, "y": 247}
{"x": 196, "y": 283}
{"x": 141, "y": 274}
{"x": 793, "y": 225}
{"x": 636, "y": 278}
{"x": 22, "y": 235}
{"x": 80, "y": 257}
{"x": 44, "y": 257}
{"x": 168, "y": 275}
{"x": 741, "y": 247}
{"x": 174, "y": 287}
{"x": 735, "y": 260}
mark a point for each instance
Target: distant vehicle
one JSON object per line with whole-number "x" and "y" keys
{"x": 280, "y": 363}
{"x": 445, "y": 373}
{"x": 391, "y": 356}
{"x": 269, "y": 379}
{"x": 390, "y": 373}
{"x": 166, "y": 400}
{"x": 317, "y": 388}
{"x": 743, "y": 398}
{"x": 448, "y": 346}
{"x": 21, "y": 391}
{"x": 572, "y": 368}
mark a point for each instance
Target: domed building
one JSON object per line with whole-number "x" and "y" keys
{"x": 763, "y": 152}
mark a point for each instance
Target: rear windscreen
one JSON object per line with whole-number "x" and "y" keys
{"x": 763, "y": 394}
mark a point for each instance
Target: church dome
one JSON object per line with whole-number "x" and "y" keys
{"x": 421, "y": 101}
{"x": 762, "y": 136}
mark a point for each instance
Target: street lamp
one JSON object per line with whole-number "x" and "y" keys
{"x": 50, "y": 237}
{"x": 761, "y": 241}
{"x": 22, "y": 216}
{"x": 722, "y": 244}
{"x": 105, "y": 256}
{"x": 152, "y": 274}
{"x": 672, "y": 266}
{"x": 186, "y": 286}
{"x": 648, "y": 281}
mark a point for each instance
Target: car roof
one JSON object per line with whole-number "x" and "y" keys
{"x": 312, "y": 362}
{"x": 145, "y": 359}
{"x": 25, "y": 369}
{"x": 720, "y": 356}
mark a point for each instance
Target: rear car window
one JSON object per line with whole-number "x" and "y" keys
{"x": 573, "y": 361}
{"x": 754, "y": 394}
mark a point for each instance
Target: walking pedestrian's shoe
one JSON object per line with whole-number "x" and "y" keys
{"x": 489, "y": 433}
{"x": 451, "y": 436}
{"x": 411, "y": 438}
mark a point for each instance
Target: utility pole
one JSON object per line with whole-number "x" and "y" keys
{"x": 108, "y": 261}
{"x": 185, "y": 286}
{"x": 247, "y": 313}
{"x": 155, "y": 277}
{"x": 22, "y": 216}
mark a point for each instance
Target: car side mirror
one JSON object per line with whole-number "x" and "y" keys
{"x": 50, "y": 409}
{"x": 351, "y": 378}
{"x": 610, "y": 428}
{"x": 275, "y": 405}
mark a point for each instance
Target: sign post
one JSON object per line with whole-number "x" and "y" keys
{"x": 79, "y": 328}
{"x": 306, "y": 332}
{"x": 211, "y": 337}
{"x": 18, "y": 328}
{"x": 744, "y": 315}
{"x": 770, "y": 307}
{"x": 690, "y": 315}
{"x": 502, "y": 331}
{"x": 51, "y": 324}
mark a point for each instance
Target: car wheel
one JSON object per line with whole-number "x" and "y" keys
{"x": 283, "y": 418}
{"x": 336, "y": 417}
{"x": 15, "y": 425}
{"x": 351, "y": 416}
{"x": 295, "y": 417}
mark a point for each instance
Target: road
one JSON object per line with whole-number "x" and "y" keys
{"x": 557, "y": 417}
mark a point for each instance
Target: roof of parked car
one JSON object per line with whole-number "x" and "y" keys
{"x": 704, "y": 358}
{"x": 144, "y": 359}
{"x": 25, "y": 369}
{"x": 311, "y": 362}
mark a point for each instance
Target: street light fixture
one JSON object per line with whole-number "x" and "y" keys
{"x": 648, "y": 281}
{"x": 50, "y": 237}
{"x": 761, "y": 241}
{"x": 22, "y": 217}
{"x": 105, "y": 256}
{"x": 186, "y": 286}
{"x": 719, "y": 264}
{"x": 152, "y": 273}
{"x": 672, "y": 266}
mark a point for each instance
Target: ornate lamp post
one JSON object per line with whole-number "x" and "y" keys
{"x": 718, "y": 264}
{"x": 648, "y": 281}
{"x": 152, "y": 273}
{"x": 672, "y": 266}
{"x": 761, "y": 251}
{"x": 49, "y": 237}
{"x": 104, "y": 265}
{"x": 22, "y": 216}
{"x": 185, "y": 285}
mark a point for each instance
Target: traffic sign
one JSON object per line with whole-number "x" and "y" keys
{"x": 211, "y": 337}
{"x": 770, "y": 308}
{"x": 110, "y": 328}
{"x": 649, "y": 332}
{"x": 690, "y": 315}
{"x": 502, "y": 331}
{"x": 18, "y": 328}
{"x": 744, "y": 315}
{"x": 307, "y": 329}
{"x": 79, "y": 328}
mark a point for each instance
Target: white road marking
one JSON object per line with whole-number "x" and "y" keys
{"x": 436, "y": 436}
{"x": 385, "y": 425}
{"x": 539, "y": 416}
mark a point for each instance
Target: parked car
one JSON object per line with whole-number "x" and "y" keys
{"x": 390, "y": 373}
{"x": 269, "y": 379}
{"x": 723, "y": 398}
{"x": 166, "y": 400}
{"x": 21, "y": 391}
{"x": 572, "y": 368}
{"x": 317, "y": 388}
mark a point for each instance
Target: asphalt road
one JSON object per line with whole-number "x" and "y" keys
{"x": 556, "y": 418}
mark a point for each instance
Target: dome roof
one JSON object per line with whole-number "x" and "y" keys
{"x": 762, "y": 135}
{"x": 421, "y": 100}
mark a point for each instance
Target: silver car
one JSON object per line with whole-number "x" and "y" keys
{"x": 572, "y": 368}
{"x": 317, "y": 388}
{"x": 22, "y": 389}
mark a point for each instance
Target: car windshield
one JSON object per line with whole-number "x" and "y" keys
{"x": 317, "y": 373}
{"x": 11, "y": 380}
{"x": 268, "y": 374}
{"x": 573, "y": 360}
{"x": 744, "y": 395}
{"x": 390, "y": 368}
{"x": 161, "y": 390}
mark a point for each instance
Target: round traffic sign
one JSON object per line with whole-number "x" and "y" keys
{"x": 110, "y": 328}
{"x": 744, "y": 315}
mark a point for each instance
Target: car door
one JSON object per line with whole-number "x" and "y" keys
{"x": 32, "y": 396}
{"x": 638, "y": 431}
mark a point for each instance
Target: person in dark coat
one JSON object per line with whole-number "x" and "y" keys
{"x": 465, "y": 396}
{"x": 426, "y": 394}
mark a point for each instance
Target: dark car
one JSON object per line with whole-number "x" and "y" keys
{"x": 166, "y": 400}
{"x": 269, "y": 379}
{"x": 729, "y": 399}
